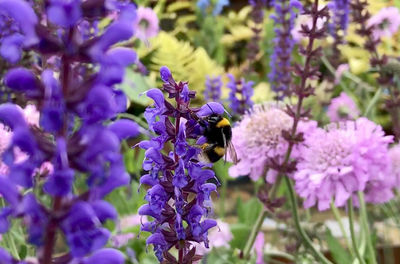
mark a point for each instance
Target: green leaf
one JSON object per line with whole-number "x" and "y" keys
{"x": 339, "y": 254}
{"x": 23, "y": 251}
{"x": 248, "y": 212}
{"x": 134, "y": 85}
{"x": 240, "y": 234}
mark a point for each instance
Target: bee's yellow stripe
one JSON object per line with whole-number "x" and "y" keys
{"x": 223, "y": 123}
{"x": 204, "y": 146}
{"x": 220, "y": 151}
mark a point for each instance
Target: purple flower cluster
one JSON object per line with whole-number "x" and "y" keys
{"x": 280, "y": 60}
{"x": 72, "y": 83}
{"x": 340, "y": 17}
{"x": 240, "y": 95}
{"x": 346, "y": 158}
{"x": 179, "y": 197}
{"x": 213, "y": 89}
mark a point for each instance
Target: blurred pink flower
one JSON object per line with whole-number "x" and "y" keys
{"x": 394, "y": 153}
{"x": 342, "y": 68}
{"x": 32, "y": 118}
{"x": 386, "y": 22}
{"x": 258, "y": 137}
{"x": 259, "y": 248}
{"x": 342, "y": 108}
{"x": 146, "y": 24}
{"x": 219, "y": 236}
{"x": 132, "y": 220}
{"x": 341, "y": 160}
{"x": 305, "y": 20}
{"x": 121, "y": 240}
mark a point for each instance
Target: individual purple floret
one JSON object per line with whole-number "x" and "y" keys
{"x": 280, "y": 60}
{"x": 72, "y": 86}
{"x": 240, "y": 95}
{"x": 213, "y": 89}
{"x": 179, "y": 198}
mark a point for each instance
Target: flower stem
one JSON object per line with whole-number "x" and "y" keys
{"x": 365, "y": 225}
{"x": 306, "y": 240}
{"x": 338, "y": 217}
{"x": 352, "y": 233}
{"x": 254, "y": 231}
{"x": 51, "y": 234}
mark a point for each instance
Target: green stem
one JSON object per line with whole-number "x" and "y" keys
{"x": 8, "y": 239}
{"x": 306, "y": 240}
{"x": 365, "y": 224}
{"x": 254, "y": 231}
{"x": 224, "y": 182}
{"x": 352, "y": 233}
{"x": 134, "y": 118}
{"x": 338, "y": 217}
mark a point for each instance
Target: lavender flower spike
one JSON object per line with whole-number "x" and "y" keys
{"x": 213, "y": 89}
{"x": 240, "y": 95}
{"x": 280, "y": 61}
{"x": 174, "y": 176}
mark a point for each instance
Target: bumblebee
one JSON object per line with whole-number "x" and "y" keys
{"x": 218, "y": 132}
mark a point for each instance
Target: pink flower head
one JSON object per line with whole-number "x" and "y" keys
{"x": 386, "y": 22}
{"x": 394, "y": 154}
{"x": 342, "y": 108}
{"x": 341, "y": 160}
{"x": 342, "y": 68}
{"x": 146, "y": 23}
{"x": 258, "y": 137}
{"x": 259, "y": 244}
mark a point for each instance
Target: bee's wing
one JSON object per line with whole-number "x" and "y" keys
{"x": 232, "y": 153}
{"x": 230, "y": 150}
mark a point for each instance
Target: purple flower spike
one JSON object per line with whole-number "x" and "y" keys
{"x": 177, "y": 220}
{"x": 73, "y": 76}
{"x": 280, "y": 62}
{"x": 240, "y": 95}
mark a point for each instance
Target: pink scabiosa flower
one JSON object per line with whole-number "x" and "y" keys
{"x": 146, "y": 23}
{"x": 394, "y": 154}
{"x": 342, "y": 108}
{"x": 258, "y": 138}
{"x": 386, "y": 22}
{"x": 341, "y": 160}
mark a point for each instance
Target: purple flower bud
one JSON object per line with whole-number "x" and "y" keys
{"x": 64, "y": 13}
{"x": 23, "y": 80}
{"x": 106, "y": 256}
{"x": 124, "y": 128}
{"x": 165, "y": 74}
